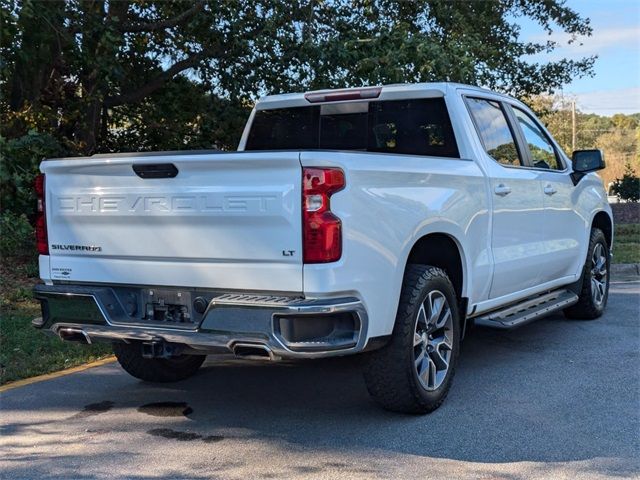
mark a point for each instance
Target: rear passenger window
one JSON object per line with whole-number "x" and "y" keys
{"x": 543, "y": 155}
{"x": 285, "y": 129}
{"x": 416, "y": 127}
{"x": 494, "y": 131}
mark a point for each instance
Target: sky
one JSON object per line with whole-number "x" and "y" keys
{"x": 615, "y": 87}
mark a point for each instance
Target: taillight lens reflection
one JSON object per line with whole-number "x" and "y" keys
{"x": 322, "y": 230}
{"x": 42, "y": 241}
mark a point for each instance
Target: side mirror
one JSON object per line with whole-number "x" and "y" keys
{"x": 585, "y": 161}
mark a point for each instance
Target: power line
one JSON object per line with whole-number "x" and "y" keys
{"x": 609, "y": 130}
{"x": 636, "y": 109}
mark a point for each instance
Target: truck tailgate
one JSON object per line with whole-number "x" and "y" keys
{"x": 226, "y": 220}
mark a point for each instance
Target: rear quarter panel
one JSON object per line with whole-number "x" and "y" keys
{"x": 389, "y": 203}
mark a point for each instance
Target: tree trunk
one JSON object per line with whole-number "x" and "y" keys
{"x": 40, "y": 48}
{"x": 89, "y": 125}
{"x": 87, "y": 128}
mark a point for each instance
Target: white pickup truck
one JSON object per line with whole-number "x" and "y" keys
{"x": 378, "y": 221}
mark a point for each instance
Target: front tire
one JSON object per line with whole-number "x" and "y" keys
{"x": 414, "y": 371}
{"x": 595, "y": 280}
{"x": 157, "y": 370}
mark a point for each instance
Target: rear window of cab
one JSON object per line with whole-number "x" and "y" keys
{"x": 412, "y": 127}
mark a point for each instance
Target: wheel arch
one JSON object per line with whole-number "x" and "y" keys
{"x": 444, "y": 251}
{"x": 604, "y": 222}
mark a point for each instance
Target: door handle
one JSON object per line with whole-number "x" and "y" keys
{"x": 549, "y": 190}
{"x": 502, "y": 190}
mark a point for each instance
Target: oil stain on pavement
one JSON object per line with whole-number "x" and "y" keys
{"x": 166, "y": 409}
{"x": 94, "y": 409}
{"x": 174, "y": 409}
{"x": 183, "y": 436}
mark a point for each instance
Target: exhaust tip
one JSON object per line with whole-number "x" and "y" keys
{"x": 74, "y": 335}
{"x": 252, "y": 351}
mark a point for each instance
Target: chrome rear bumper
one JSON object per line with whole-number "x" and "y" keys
{"x": 237, "y": 323}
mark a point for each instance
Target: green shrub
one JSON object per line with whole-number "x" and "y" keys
{"x": 16, "y": 236}
{"x": 20, "y": 158}
{"x": 628, "y": 187}
{"x": 30, "y": 268}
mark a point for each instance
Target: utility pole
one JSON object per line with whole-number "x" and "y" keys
{"x": 573, "y": 125}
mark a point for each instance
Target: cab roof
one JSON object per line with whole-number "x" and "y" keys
{"x": 382, "y": 92}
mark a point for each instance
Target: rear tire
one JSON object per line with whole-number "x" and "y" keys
{"x": 595, "y": 280}
{"x": 159, "y": 370}
{"x": 414, "y": 371}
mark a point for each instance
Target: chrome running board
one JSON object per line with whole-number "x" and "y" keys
{"x": 527, "y": 311}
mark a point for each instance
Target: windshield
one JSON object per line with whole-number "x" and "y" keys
{"x": 415, "y": 127}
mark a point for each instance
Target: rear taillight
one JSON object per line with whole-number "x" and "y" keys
{"x": 322, "y": 230}
{"x": 41, "y": 219}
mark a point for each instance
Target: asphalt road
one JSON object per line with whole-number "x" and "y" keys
{"x": 554, "y": 399}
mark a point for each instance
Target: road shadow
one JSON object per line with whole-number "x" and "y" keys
{"x": 552, "y": 391}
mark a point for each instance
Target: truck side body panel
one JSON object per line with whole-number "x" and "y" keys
{"x": 390, "y": 202}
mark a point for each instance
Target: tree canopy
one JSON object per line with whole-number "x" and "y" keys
{"x": 617, "y": 136}
{"x": 103, "y": 74}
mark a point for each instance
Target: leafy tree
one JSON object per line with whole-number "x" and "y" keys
{"x": 17, "y": 239}
{"x": 182, "y": 113}
{"x": 619, "y": 143}
{"x": 104, "y": 75}
{"x": 627, "y": 187}
{"x": 617, "y": 136}
{"x": 19, "y": 166}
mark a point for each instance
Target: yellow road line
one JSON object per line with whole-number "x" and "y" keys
{"x": 61, "y": 373}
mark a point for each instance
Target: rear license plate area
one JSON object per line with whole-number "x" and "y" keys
{"x": 167, "y": 307}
